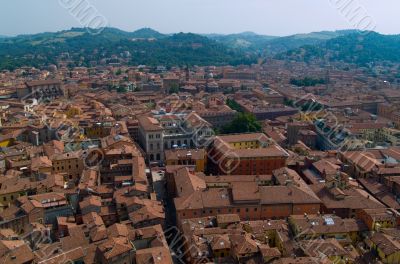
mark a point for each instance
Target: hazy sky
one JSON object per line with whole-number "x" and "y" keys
{"x": 272, "y": 17}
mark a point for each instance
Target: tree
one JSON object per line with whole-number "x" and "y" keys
{"x": 110, "y": 87}
{"x": 288, "y": 102}
{"x": 307, "y": 81}
{"x": 174, "y": 89}
{"x": 234, "y": 105}
{"x": 121, "y": 89}
{"x": 242, "y": 123}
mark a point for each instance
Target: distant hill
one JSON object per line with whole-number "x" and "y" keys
{"x": 147, "y": 46}
{"x": 282, "y": 44}
{"x": 249, "y": 41}
{"x": 147, "y": 33}
{"x": 113, "y": 34}
{"x": 355, "y": 48}
{"x": 113, "y": 45}
{"x": 272, "y": 45}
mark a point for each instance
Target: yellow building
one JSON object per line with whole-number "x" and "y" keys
{"x": 73, "y": 111}
{"x": 71, "y": 163}
{"x": 245, "y": 144}
{"x": 331, "y": 249}
{"x": 271, "y": 233}
{"x": 98, "y": 130}
{"x": 327, "y": 226}
{"x": 391, "y": 135}
{"x": 190, "y": 157}
{"x": 313, "y": 116}
{"x": 41, "y": 165}
{"x": 370, "y": 131}
{"x": 247, "y": 141}
{"x": 379, "y": 218}
{"x": 386, "y": 247}
{"x": 6, "y": 142}
{"x": 13, "y": 188}
{"x": 220, "y": 246}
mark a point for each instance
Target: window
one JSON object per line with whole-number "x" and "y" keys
{"x": 255, "y": 209}
{"x": 238, "y": 210}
